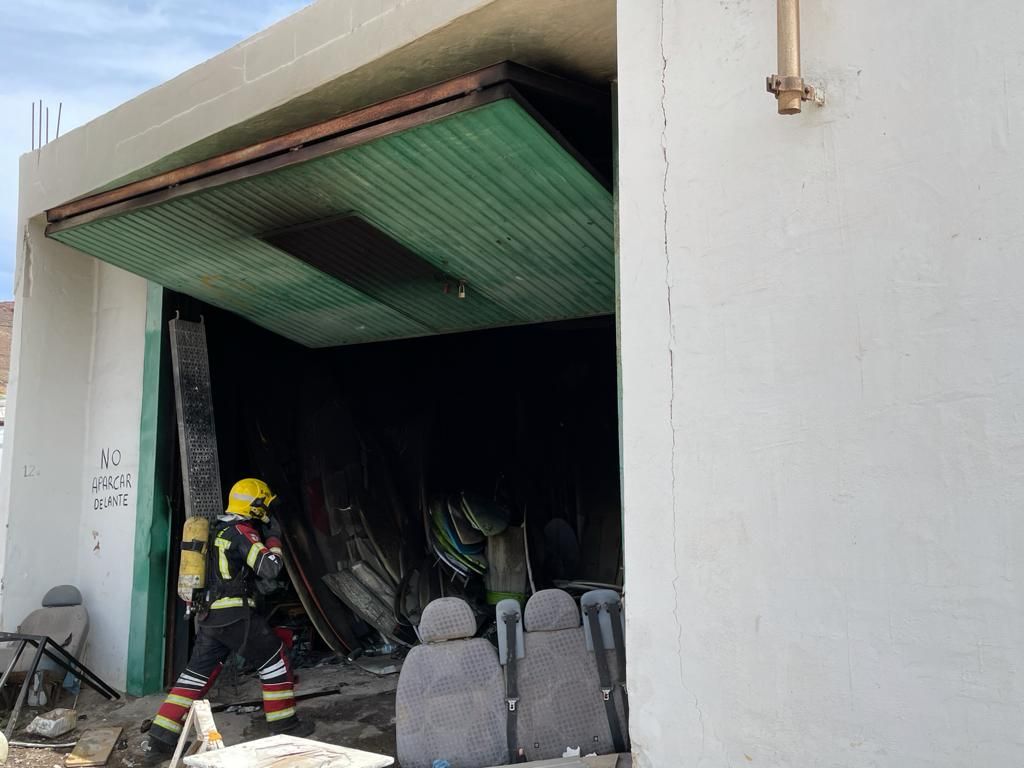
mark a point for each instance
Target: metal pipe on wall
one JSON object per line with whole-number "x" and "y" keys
{"x": 789, "y": 56}
{"x": 788, "y": 84}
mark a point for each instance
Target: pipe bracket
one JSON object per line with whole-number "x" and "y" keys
{"x": 790, "y": 91}
{"x": 787, "y": 86}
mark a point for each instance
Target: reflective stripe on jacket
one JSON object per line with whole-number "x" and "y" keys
{"x": 239, "y": 557}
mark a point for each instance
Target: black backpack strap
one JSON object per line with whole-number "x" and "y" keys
{"x": 216, "y": 585}
{"x": 605, "y": 676}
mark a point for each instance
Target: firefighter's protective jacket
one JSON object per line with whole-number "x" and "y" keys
{"x": 239, "y": 557}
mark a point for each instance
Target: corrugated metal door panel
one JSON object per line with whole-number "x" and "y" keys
{"x": 487, "y": 196}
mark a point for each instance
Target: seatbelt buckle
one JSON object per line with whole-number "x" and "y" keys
{"x": 512, "y": 703}
{"x": 606, "y": 693}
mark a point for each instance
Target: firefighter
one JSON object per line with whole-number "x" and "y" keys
{"x": 240, "y": 562}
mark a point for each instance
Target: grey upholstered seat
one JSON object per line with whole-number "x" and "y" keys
{"x": 560, "y": 701}
{"x": 450, "y": 703}
{"x": 63, "y": 619}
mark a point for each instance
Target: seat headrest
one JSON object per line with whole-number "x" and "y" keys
{"x": 447, "y": 618}
{"x": 61, "y": 596}
{"x": 550, "y": 610}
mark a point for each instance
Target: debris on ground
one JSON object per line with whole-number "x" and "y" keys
{"x": 349, "y": 705}
{"x": 380, "y": 666}
{"x": 243, "y": 709}
{"x": 256, "y": 705}
{"x": 54, "y": 723}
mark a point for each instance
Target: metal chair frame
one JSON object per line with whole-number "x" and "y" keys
{"x": 45, "y": 646}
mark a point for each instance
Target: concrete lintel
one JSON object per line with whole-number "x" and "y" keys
{"x": 327, "y": 59}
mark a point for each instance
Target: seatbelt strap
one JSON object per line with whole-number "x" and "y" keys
{"x": 511, "y": 687}
{"x": 615, "y": 612}
{"x": 605, "y": 677}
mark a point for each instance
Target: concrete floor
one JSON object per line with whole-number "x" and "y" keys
{"x": 359, "y": 713}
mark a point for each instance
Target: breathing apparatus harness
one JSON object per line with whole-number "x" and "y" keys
{"x": 242, "y": 583}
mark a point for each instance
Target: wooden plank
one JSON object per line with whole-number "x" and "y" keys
{"x": 183, "y": 738}
{"x": 94, "y": 747}
{"x": 206, "y": 729}
{"x": 207, "y": 737}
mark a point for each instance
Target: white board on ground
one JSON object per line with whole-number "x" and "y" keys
{"x": 602, "y": 761}
{"x": 300, "y": 753}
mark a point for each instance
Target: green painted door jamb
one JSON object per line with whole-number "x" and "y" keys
{"x": 618, "y": 318}
{"x": 149, "y": 579}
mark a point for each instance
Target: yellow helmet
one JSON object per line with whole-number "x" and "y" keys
{"x": 250, "y": 498}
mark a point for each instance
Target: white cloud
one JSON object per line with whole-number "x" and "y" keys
{"x": 114, "y": 19}
{"x": 93, "y": 55}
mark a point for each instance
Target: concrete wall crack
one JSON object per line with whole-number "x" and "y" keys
{"x": 666, "y": 169}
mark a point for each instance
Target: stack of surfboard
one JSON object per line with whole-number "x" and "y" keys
{"x": 471, "y": 536}
{"x": 457, "y": 538}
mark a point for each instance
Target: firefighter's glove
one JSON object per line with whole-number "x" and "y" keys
{"x": 272, "y": 528}
{"x": 269, "y": 586}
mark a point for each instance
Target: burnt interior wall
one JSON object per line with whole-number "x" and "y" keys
{"x": 526, "y": 414}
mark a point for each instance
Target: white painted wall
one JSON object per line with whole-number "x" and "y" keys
{"x": 823, "y": 377}
{"x": 75, "y": 379}
{"x": 41, "y": 472}
{"x": 106, "y": 532}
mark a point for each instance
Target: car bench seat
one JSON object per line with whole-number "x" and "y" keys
{"x": 560, "y": 700}
{"x": 450, "y": 701}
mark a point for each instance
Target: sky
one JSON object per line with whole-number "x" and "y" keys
{"x": 93, "y": 55}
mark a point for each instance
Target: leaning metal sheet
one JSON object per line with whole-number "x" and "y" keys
{"x": 372, "y": 607}
{"x": 197, "y": 435}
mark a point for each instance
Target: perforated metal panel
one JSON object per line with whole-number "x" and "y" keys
{"x": 197, "y": 433}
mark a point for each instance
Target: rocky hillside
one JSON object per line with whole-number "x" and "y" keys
{"x": 6, "y": 323}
